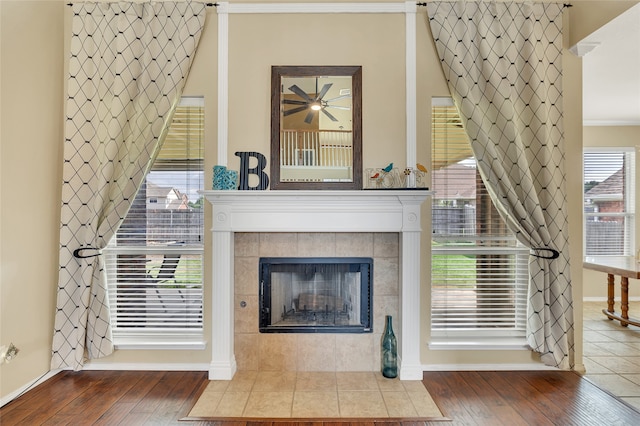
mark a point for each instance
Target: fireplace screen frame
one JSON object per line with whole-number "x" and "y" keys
{"x": 363, "y": 265}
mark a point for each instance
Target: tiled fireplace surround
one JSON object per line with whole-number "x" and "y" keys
{"x": 247, "y": 225}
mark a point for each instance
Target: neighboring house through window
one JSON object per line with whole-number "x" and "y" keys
{"x": 155, "y": 260}
{"x": 609, "y": 201}
{"x": 479, "y": 275}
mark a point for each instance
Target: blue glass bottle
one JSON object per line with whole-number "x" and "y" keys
{"x": 389, "y": 351}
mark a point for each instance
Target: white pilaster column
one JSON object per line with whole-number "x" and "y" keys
{"x": 409, "y": 348}
{"x": 223, "y": 362}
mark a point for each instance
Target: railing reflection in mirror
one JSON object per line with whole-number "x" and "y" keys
{"x": 316, "y": 155}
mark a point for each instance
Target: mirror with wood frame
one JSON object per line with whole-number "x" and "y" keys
{"x": 316, "y": 127}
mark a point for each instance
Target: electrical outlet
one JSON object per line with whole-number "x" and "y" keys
{"x": 8, "y": 353}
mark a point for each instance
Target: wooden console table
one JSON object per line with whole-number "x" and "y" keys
{"x": 625, "y": 266}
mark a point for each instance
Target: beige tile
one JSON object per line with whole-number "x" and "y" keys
{"x": 354, "y": 244}
{"x": 617, "y": 364}
{"x": 278, "y": 244}
{"x": 616, "y": 384}
{"x": 386, "y": 276}
{"x": 355, "y": 352}
{"x": 246, "y": 276}
{"x": 207, "y": 403}
{"x": 317, "y": 244}
{"x": 268, "y": 381}
{"x": 316, "y": 352}
{"x": 269, "y": 404}
{"x": 315, "y": 404}
{"x": 246, "y": 244}
{"x": 398, "y": 404}
{"x": 383, "y": 306}
{"x": 278, "y": 352}
{"x": 592, "y": 367}
{"x": 232, "y": 404}
{"x": 634, "y": 401}
{"x": 316, "y": 381}
{"x": 361, "y": 403}
{"x": 247, "y": 349}
{"x": 388, "y": 385}
{"x": 386, "y": 244}
{"x": 356, "y": 381}
{"x": 242, "y": 381}
{"x": 619, "y": 349}
{"x": 246, "y": 318}
{"x": 423, "y": 403}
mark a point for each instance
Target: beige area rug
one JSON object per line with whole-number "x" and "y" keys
{"x": 314, "y": 395}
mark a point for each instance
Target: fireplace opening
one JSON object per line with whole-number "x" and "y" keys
{"x": 316, "y": 295}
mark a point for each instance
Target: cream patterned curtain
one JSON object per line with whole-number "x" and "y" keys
{"x": 128, "y": 65}
{"x": 503, "y": 65}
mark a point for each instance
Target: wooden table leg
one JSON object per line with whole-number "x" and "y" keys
{"x": 624, "y": 297}
{"x": 610, "y": 292}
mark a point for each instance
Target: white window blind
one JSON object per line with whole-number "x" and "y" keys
{"x": 609, "y": 201}
{"x": 155, "y": 260}
{"x": 479, "y": 270}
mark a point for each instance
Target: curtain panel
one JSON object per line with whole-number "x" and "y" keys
{"x": 127, "y": 69}
{"x": 502, "y": 62}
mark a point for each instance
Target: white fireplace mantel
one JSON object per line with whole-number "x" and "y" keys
{"x": 315, "y": 211}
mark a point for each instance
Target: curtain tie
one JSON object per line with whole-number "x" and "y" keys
{"x": 77, "y": 253}
{"x": 553, "y": 254}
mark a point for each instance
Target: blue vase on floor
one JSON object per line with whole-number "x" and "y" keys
{"x": 389, "y": 351}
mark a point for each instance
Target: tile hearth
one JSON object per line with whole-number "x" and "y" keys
{"x": 314, "y": 395}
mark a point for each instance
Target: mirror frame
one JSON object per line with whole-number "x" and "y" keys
{"x": 355, "y": 72}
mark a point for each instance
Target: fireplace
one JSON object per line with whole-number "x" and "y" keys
{"x": 316, "y": 295}
{"x": 330, "y": 212}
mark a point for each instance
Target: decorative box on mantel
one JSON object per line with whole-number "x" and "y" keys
{"x": 315, "y": 211}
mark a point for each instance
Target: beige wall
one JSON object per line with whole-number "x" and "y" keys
{"x": 614, "y": 137}
{"x": 34, "y": 37}
{"x": 30, "y": 175}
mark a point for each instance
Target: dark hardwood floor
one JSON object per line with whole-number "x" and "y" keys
{"x": 466, "y": 398}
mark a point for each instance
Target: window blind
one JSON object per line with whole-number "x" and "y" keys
{"x": 609, "y": 202}
{"x": 155, "y": 261}
{"x": 479, "y": 270}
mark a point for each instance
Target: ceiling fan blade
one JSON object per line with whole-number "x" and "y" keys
{"x": 328, "y": 114}
{"x": 298, "y": 91}
{"x": 294, "y": 110}
{"x": 324, "y": 91}
{"x": 294, "y": 102}
{"x": 309, "y": 117}
{"x": 346, "y": 108}
{"x": 338, "y": 98}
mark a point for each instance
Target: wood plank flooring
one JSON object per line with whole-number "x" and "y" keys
{"x": 466, "y": 398}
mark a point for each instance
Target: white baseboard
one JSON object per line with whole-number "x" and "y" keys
{"x": 29, "y": 386}
{"x": 145, "y": 366}
{"x": 487, "y": 367}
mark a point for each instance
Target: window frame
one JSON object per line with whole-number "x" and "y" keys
{"x": 159, "y": 338}
{"x": 629, "y": 199}
{"x": 513, "y": 254}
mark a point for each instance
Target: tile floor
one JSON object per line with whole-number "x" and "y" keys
{"x": 315, "y": 394}
{"x": 612, "y": 352}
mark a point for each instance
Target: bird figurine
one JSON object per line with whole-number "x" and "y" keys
{"x": 388, "y": 168}
{"x": 421, "y": 168}
{"x": 375, "y": 176}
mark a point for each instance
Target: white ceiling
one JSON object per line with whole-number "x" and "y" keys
{"x": 611, "y": 72}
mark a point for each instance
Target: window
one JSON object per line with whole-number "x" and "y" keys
{"x": 609, "y": 200}
{"x": 155, "y": 260}
{"x": 479, "y": 273}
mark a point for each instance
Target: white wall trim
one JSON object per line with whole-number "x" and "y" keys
{"x": 317, "y": 8}
{"x": 409, "y": 8}
{"x": 134, "y": 366}
{"x": 487, "y": 367}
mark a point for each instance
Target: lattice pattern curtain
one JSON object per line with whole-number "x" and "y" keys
{"x": 128, "y": 65}
{"x": 503, "y": 65}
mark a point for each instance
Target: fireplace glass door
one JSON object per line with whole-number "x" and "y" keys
{"x": 316, "y": 295}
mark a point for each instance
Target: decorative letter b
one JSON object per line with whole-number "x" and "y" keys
{"x": 258, "y": 170}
